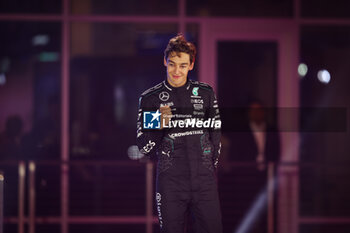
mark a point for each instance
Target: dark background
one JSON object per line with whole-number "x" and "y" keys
{"x": 113, "y": 60}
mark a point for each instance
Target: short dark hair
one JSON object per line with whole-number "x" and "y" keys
{"x": 179, "y": 44}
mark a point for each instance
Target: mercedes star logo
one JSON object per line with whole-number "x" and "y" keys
{"x": 164, "y": 96}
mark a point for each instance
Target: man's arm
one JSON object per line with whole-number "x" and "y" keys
{"x": 146, "y": 140}
{"x": 215, "y": 133}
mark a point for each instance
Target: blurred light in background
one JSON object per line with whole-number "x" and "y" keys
{"x": 119, "y": 100}
{"x": 48, "y": 57}
{"x": 40, "y": 40}
{"x": 324, "y": 76}
{"x": 302, "y": 70}
{"x": 2, "y": 79}
{"x": 253, "y": 213}
{"x": 4, "y": 64}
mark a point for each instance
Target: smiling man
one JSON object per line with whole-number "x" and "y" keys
{"x": 178, "y": 65}
{"x": 187, "y": 155}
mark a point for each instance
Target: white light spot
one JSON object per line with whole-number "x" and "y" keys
{"x": 302, "y": 69}
{"x": 134, "y": 153}
{"x": 324, "y": 76}
{"x": 40, "y": 40}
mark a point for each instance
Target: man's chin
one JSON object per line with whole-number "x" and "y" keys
{"x": 176, "y": 82}
{"x": 176, "y": 79}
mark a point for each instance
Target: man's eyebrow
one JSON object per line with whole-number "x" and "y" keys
{"x": 185, "y": 63}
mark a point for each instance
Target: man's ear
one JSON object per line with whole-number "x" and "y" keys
{"x": 165, "y": 62}
{"x": 191, "y": 66}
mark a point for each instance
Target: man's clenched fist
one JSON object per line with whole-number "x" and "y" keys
{"x": 166, "y": 115}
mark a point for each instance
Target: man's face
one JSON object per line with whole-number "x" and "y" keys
{"x": 178, "y": 66}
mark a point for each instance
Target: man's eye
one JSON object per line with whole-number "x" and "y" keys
{"x": 183, "y": 67}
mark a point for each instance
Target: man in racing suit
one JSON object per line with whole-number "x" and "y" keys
{"x": 187, "y": 145}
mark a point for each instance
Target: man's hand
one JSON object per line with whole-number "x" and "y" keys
{"x": 166, "y": 115}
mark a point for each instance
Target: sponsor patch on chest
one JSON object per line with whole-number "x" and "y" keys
{"x": 167, "y": 104}
{"x": 197, "y": 101}
{"x": 198, "y": 106}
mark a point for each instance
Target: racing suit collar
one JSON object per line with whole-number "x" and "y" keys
{"x": 171, "y": 88}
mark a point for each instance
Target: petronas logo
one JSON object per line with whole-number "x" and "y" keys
{"x": 195, "y": 91}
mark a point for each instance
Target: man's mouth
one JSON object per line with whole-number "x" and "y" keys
{"x": 176, "y": 77}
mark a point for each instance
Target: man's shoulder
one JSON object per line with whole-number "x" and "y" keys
{"x": 201, "y": 85}
{"x": 153, "y": 90}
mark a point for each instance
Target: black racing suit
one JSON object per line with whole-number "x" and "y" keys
{"x": 187, "y": 157}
